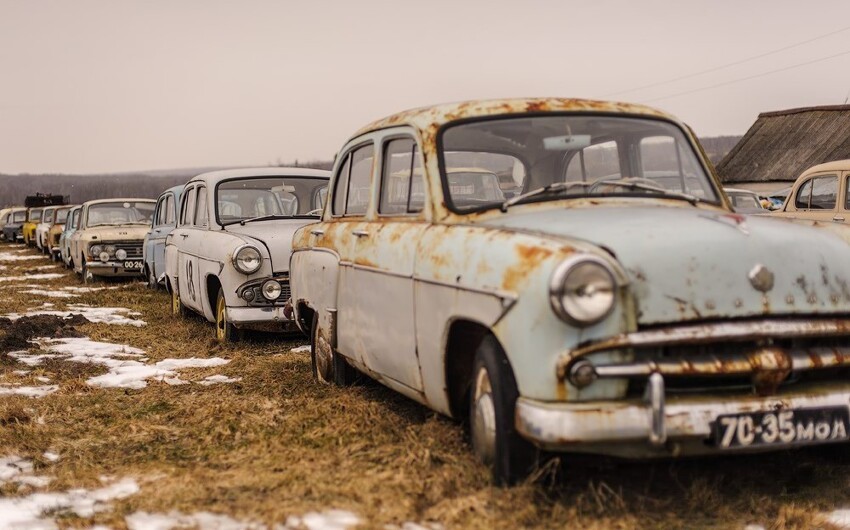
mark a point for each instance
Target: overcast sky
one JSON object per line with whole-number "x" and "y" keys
{"x": 99, "y": 86}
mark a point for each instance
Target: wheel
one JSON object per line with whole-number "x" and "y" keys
{"x": 224, "y": 331}
{"x": 177, "y": 307}
{"x": 86, "y": 277}
{"x": 492, "y": 403}
{"x": 328, "y": 366}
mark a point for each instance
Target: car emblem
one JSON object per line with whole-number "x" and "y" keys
{"x": 761, "y": 278}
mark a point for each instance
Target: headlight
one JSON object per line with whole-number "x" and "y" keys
{"x": 582, "y": 290}
{"x": 95, "y": 250}
{"x": 104, "y": 257}
{"x": 121, "y": 253}
{"x": 247, "y": 259}
{"x": 110, "y": 249}
{"x": 271, "y": 290}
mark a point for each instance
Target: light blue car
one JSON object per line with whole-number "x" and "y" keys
{"x": 71, "y": 223}
{"x": 164, "y": 221}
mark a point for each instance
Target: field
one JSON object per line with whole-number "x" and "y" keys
{"x": 178, "y": 431}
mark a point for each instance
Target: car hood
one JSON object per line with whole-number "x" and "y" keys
{"x": 697, "y": 264}
{"x": 275, "y": 235}
{"x": 115, "y": 233}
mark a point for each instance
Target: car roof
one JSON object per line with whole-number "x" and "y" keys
{"x": 835, "y": 165}
{"x": 118, "y": 199}
{"x": 429, "y": 119}
{"x": 216, "y": 176}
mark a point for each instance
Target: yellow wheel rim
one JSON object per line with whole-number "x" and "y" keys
{"x": 220, "y": 319}
{"x": 175, "y": 303}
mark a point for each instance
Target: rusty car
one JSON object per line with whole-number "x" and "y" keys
{"x": 580, "y": 315}
{"x": 13, "y": 224}
{"x": 71, "y": 223}
{"x": 820, "y": 193}
{"x": 43, "y": 227}
{"x": 228, "y": 257}
{"x": 30, "y": 224}
{"x": 54, "y": 232}
{"x": 108, "y": 239}
{"x": 745, "y": 201}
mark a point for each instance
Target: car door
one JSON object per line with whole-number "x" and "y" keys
{"x": 182, "y": 238}
{"x": 155, "y": 246}
{"x": 816, "y": 198}
{"x": 76, "y": 255}
{"x": 843, "y": 214}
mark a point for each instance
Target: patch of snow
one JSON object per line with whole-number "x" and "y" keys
{"x": 28, "y": 391}
{"x": 44, "y": 276}
{"x": 42, "y": 379}
{"x": 301, "y": 349}
{"x": 14, "y": 256}
{"x": 327, "y": 520}
{"x": 427, "y": 526}
{"x": 200, "y": 520}
{"x": 106, "y": 315}
{"x": 51, "y": 457}
{"x": 216, "y": 379}
{"x": 50, "y": 294}
{"x": 21, "y": 372}
{"x": 31, "y": 512}
{"x": 838, "y": 518}
{"x": 14, "y": 469}
{"x": 123, "y": 372}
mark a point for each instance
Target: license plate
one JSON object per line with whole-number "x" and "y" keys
{"x": 135, "y": 265}
{"x": 781, "y": 427}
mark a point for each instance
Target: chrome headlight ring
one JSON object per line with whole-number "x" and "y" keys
{"x": 247, "y": 259}
{"x": 582, "y": 290}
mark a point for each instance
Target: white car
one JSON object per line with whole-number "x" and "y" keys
{"x": 228, "y": 257}
{"x": 43, "y": 228}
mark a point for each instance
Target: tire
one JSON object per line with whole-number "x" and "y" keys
{"x": 177, "y": 307}
{"x": 86, "y": 277}
{"x": 151, "y": 279}
{"x": 224, "y": 331}
{"x": 330, "y": 367}
{"x": 492, "y": 403}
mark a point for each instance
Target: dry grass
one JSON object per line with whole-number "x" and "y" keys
{"x": 276, "y": 444}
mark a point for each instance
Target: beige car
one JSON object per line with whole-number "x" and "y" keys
{"x": 820, "y": 194}
{"x": 110, "y": 236}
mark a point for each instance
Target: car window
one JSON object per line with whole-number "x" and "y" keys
{"x": 61, "y": 216}
{"x": 75, "y": 218}
{"x": 35, "y": 216}
{"x": 120, "y": 213}
{"x": 341, "y": 186}
{"x": 744, "y": 200}
{"x": 159, "y": 220}
{"x": 401, "y": 168}
{"x": 596, "y": 162}
{"x": 359, "y": 181}
{"x": 48, "y": 216}
{"x": 187, "y": 212}
{"x": 804, "y": 194}
{"x": 819, "y": 193}
{"x": 201, "y": 218}
{"x": 169, "y": 209}
{"x": 20, "y": 217}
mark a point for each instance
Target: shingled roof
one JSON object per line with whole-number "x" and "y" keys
{"x": 781, "y": 145}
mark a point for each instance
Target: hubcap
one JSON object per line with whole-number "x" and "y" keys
{"x": 483, "y": 419}
{"x": 220, "y": 319}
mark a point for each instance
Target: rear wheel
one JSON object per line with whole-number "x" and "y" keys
{"x": 151, "y": 278}
{"x": 492, "y": 405}
{"x": 224, "y": 331}
{"x": 177, "y": 307}
{"x": 328, "y": 365}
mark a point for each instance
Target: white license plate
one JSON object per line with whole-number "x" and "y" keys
{"x": 135, "y": 265}
{"x": 781, "y": 427}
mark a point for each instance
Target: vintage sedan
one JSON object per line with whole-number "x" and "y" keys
{"x": 164, "y": 221}
{"x": 71, "y": 224}
{"x": 228, "y": 257}
{"x": 13, "y": 225}
{"x": 820, "y": 193}
{"x": 745, "y": 201}
{"x": 616, "y": 305}
{"x": 54, "y": 233}
{"x": 29, "y": 226}
{"x": 109, "y": 238}
{"x": 43, "y": 226}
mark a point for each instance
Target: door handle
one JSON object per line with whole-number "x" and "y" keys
{"x": 838, "y": 218}
{"x": 360, "y": 233}
{"x": 316, "y": 232}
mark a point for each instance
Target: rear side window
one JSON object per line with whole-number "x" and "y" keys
{"x": 169, "y": 210}
{"x": 359, "y": 181}
{"x": 341, "y": 186}
{"x": 160, "y": 212}
{"x": 201, "y": 218}
{"x": 187, "y": 212}
{"x": 402, "y": 190}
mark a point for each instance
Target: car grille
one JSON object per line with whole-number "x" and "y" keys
{"x": 132, "y": 248}
{"x": 285, "y": 291}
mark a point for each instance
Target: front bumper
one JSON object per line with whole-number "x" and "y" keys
{"x": 649, "y": 428}
{"x": 111, "y": 269}
{"x": 271, "y": 319}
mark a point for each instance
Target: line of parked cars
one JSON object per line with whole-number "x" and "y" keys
{"x": 562, "y": 275}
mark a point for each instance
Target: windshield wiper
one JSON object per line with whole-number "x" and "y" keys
{"x": 259, "y": 218}
{"x": 555, "y": 186}
{"x": 635, "y": 185}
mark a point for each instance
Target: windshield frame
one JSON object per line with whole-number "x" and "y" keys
{"x": 686, "y": 133}
{"x": 255, "y": 177}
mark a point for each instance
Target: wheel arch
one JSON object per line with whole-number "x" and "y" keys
{"x": 463, "y": 338}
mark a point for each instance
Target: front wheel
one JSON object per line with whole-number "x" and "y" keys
{"x": 87, "y": 277}
{"x": 224, "y": 331}
{"x": 492, "y": 405}
{"x": 151, "y": 278}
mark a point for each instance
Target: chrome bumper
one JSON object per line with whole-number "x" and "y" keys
{"x": 655, "y": 426}
{"x": 261, "y": 318}
{"x": 111, "y": 268}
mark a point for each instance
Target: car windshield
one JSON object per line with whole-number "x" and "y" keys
{"x": 242, "y": 199}
{"x": 120, "y": 213}
{"x": 743, "y": 200}
{"x": 19, "y": 217}
{"x": 486, "y": 162}
{"x": 48, "y": 216}
{"x": 35, "y": 215}
{"x": 61, "y": 216}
